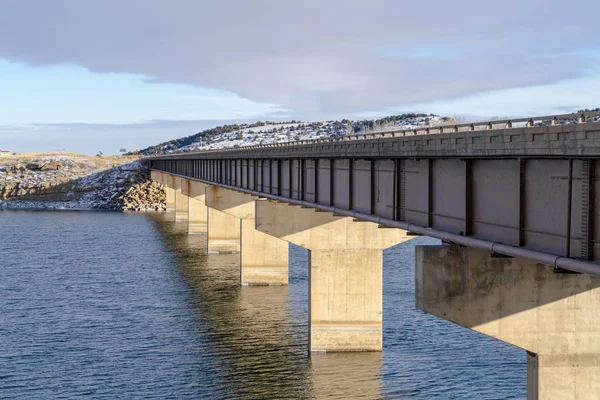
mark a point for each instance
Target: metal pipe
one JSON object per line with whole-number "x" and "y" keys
{"x": 584, "y": 267}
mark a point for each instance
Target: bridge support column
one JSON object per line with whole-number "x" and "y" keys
{"x": 554, "y": 316}
{"x": 223, "y": 232}
{"x": 263, "y": 258}
{"x": 197, "y": 211}
{"x": 345, "y": 273}
{"x": 166, "y": 180}
{"x": 181, "y": 200}
{"x": 156, "y": 176}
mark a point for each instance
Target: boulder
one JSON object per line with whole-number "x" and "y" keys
{"x": 33, "y": 166}
{"x": 52, "y": 166}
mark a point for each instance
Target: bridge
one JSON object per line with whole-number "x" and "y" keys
{"x": 514, "y": 202}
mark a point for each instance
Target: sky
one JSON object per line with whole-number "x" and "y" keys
{"x": 91, "y": 76}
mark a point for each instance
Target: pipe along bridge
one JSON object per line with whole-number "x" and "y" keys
{"x": 515, "y": 204}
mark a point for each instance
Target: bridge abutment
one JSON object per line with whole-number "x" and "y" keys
{"x": 345, "y": 272}
{"x": 263, "y": 258}
{"x": 554, "y": 316}
{"x": 167, "y": 180}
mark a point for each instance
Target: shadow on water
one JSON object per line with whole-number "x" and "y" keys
{"x": 258, "y": 337}
{"x": 124, "y": 305}
{"x": 250, "y": 331}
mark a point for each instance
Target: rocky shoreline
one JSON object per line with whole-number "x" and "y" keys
{"x": 76, "y": 182}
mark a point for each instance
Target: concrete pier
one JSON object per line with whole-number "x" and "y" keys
{"x": 345, "y": 273}
{"x": 181, "y": 200}
{"x": 263, "y": 258}
{"x": 554, "y": 316}
{"x": 197, "y": 211}
{"x": 166, "y": 180}
{"x": 224, "y": 232}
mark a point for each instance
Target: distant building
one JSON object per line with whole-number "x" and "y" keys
{"x": 5, "y": 152}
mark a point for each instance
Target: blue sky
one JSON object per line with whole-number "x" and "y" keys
{"x": 69, "y": 93}
{"x": 106, "y": 75}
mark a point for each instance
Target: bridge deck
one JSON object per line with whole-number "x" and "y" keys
{"x": 528, "y": 191}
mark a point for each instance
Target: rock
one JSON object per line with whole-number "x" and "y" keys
{"x": 81, "y": 184}
{"x": 14, "y": 169}
{"x": 33, "y": 166}
{"x": 52, "y": 166}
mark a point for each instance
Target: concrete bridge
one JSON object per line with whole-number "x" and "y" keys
{"x": 514, "y": 204}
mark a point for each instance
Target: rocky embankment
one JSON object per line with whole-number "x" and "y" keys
{"x": 78, "y": 182}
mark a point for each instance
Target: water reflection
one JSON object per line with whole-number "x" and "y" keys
{"x": 251, "y": 334}
{"x": 254, "y": 334}
{"x": 253, "y": 341}
{"x": 130, "y": 306}
{"x": 346, "y": 375}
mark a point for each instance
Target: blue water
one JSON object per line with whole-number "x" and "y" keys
{"x": 101, "y": 305}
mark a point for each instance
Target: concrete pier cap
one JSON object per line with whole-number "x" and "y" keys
{"x": 345, "y": 272}
{"x": 263, "y": 258}
{"x": 554, "y": 316}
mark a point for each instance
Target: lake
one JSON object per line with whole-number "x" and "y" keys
{"x": 103, "y": 305}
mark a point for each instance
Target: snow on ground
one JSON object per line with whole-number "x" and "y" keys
{"x": 90, "y": 184}
{"x": 292, "y": 132}
{"x": 270, "y": 133}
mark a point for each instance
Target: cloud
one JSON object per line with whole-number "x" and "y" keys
{"x": 316, "y": 58}
{"x": 563, "y": 97}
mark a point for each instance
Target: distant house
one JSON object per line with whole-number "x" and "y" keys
{"x": 5, "y": 152}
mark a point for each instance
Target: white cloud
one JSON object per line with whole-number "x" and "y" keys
{"x": 320, "y": 59}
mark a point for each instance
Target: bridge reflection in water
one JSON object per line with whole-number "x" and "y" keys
{"x": 346, "y": 375}
{"x": 253, "y": 335}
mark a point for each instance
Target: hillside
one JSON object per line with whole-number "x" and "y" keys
{"x": 228, "y": 136}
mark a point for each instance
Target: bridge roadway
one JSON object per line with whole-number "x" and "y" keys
{"x": 515, "y": 206}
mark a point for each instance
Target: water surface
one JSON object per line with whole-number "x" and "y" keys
{"x": 101, "y": 305}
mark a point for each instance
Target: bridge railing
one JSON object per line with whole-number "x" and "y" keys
{"x": 553, "y": 120}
